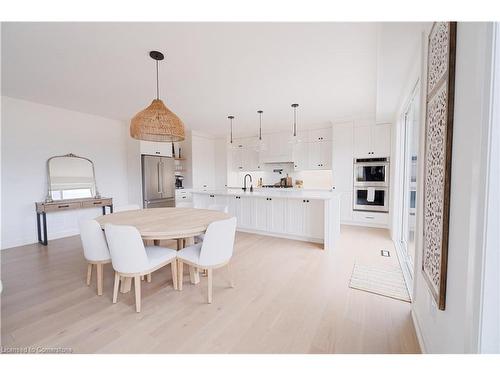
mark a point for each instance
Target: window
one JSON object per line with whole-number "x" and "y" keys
{"x": 411, "y": 126}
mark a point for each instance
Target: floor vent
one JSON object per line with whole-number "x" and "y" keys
{"x": 385, "y": 253}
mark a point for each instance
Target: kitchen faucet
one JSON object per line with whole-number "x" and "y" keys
{"x": 245, "y": 182}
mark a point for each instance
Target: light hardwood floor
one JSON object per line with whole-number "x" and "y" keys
{"x": 290, "y": 297}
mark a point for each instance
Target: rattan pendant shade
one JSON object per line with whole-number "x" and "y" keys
{"x": 157, "y": 123}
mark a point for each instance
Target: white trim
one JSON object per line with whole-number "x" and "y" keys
{"x": 20, "y": 242}
{"x": 363, "y": 224}
{"x": 489, "y": 327}
{"x": 281, "y": 235}
{"x": 479, "y": 205}
{"x": 418, "y": 331}
{"x": 404, "y": 268}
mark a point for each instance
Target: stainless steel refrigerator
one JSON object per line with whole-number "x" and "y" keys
{"x": 158, "y": 181}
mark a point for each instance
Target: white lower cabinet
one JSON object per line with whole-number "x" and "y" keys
{"x": 270, "y": 214}
{"x": 346, "y": 206}
{"x": 314, "y": 218}
{"x": 371, "y": 218}
{"x": 241, "y": 208}
{"x": 200, "y": 200}
{"x": 295, "y": 217}
{"x": 261, "y": 207}
{"x": 305, "y": 217}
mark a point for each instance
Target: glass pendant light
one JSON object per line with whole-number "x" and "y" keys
{"x": 157, "y": 123}
{"x": 294, "y": 138}
{"x": 261, "y": 146}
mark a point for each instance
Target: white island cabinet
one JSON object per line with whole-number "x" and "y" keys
{"x": 298, "y": 214}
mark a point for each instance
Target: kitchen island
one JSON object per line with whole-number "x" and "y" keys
{"x": 300, "y": 214}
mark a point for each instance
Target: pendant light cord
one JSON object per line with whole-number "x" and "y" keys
{"x": 260, "y": 126}
{"x": 294, "y": 121}
{"x": 157, "y": 83}
{"x": 231, "y": 127}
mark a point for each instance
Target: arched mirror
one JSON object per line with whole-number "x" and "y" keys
{"x": 70, "y": 177}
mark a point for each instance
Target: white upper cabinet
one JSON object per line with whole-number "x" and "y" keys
{"x": 381, "y": 140}
{"x": 203, "y": 162}
{"x": 316, "y": 135}
{"x": 372, "y": 141}
{"x": 320, "y": 155}
{"x": 156, "y": 148}
{"x": 311, "y": 150}
{"x": 343, "y": 143}
{"x": 362, "y": 141}
{"x": 301, "y": 156}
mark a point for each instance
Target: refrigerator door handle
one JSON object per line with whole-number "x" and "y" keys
{"x": 161, "y": 177}
{"x": 158, "y": 178}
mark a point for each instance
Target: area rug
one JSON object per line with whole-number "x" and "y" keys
{"x": 385, "y": 281}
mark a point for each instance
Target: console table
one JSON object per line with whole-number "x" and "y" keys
{"x": 63, "y": 205}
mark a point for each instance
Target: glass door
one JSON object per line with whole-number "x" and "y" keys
{"x": 410, "y": 157}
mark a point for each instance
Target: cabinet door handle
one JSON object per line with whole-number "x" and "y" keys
{"x": 97, "y": 202}
{"x": 63, "y": 206}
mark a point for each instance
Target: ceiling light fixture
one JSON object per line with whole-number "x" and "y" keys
{"x": 294, "y": 106}
{"x": 157, "y": 123}
{"x": 231, "y": 127}
{"x": 260, "y": 143}
{"x": 294, "y": 138}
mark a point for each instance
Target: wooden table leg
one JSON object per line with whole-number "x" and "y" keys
{"x": 125, "y": 284}
{"x": 194, "y": 275}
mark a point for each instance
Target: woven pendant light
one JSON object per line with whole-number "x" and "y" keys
{"x": 157, "y": 123}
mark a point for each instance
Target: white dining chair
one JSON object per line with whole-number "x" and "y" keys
{"x": 95, "y": 250}
{"x": 130, "y": 258}
{"x": 127, "y": 207}
{"x": 214, "y": 207}
{"x": 214, "y": 252}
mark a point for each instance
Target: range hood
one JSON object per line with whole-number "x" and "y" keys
{"x": 277, "y": 159}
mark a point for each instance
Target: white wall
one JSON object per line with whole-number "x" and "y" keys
{"x": 31, "y": 133}
{"x": 455, "y": 330}
{"x": 490, "y": 319}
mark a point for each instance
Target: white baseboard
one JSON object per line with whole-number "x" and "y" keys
{"x": 369, "y": 225}
{"x": 406, "y": 273}
{"x": 420, "y": 338}
{"x": 281, "y": 235}
{"x": 33, "y": 240}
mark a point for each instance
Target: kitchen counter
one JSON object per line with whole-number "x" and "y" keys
{"x": 300, "y": 214}
{"x": 274, "y": 193}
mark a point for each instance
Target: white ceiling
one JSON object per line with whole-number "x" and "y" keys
{"x": 210, "y": 70}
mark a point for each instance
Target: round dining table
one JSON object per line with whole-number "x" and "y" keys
{"x": 166, "y": 223}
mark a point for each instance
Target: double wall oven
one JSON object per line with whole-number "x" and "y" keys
{"x": 371, "y": 184}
